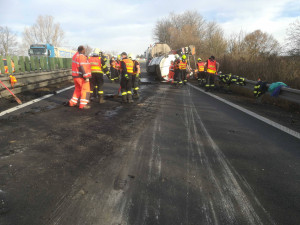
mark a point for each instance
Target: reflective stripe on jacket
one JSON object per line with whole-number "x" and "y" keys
{"x": 182, "y": 65}
{"x": 200, "y": 66}
{"x": 79, "y": 61}
{"x": 75, "y": 66}
{"x": 95, "y": 64}
{"x": 129, "y": 65}
{"x": 211, "y": 66}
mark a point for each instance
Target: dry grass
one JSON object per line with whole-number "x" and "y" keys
{"x": 270, "y": 69}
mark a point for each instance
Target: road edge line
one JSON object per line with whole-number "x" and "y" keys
{"x": 250, "y": 113}
{"x": 32, "y": 101}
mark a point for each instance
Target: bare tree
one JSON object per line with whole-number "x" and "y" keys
{"x": 8, "y": 42}
{"x": 260, "y": 43}
{"x": 235, "y": 44}
{"x": 214, "y": 43}
{"x": 177, "y": 28}
{"x": 88, "y": 49}
{"x": 293, "y": 38}
{"x": 189, "y": 28}
{"x": 161, "y": 31}
{"x": 44, "y": 31}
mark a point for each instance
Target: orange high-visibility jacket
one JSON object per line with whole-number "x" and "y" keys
{"x": 182, "y": 65}
{"x": 75, "y": 66}
{"x": 129, "y": 65}
{"x": 211, "y": 66}
{"x": 200, "y": 66}
{"x": 96, "y": 66}
{"x": 80, "y": 60}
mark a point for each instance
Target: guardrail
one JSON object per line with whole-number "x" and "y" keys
{"x": 33, "y": 72}
{"x": 290, "y": 94}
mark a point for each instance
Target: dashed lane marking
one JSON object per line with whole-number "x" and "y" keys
{"x": 32, "y": 101}
{"x": 261, "y": 118}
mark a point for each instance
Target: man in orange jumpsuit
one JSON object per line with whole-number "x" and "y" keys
{"x": 171, "y": 71}
{"x": 81, "y": 72}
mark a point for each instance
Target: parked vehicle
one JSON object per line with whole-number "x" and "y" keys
{"x": 49, "y": 50}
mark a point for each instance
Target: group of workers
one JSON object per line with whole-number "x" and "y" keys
{"x": 205, "y": 71}
{"x": 88, "y": 75}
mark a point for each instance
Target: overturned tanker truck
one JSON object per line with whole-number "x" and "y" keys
{"x": 159, "y": 57}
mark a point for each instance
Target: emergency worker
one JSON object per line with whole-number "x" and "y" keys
{"x": 201, "y": 73}
{"x": 171, "y": 71}
{"x": 177, "y": 75}
{"x": 118, "y": 67}
{"x": 81, "y": 72}
{"x": 104, "y": 66}
{"x": 135, "y": 76}
{"x": 97, "y": 81}
{"x": 182, "y": 68}
{"x": 212, "y": 68}
{"x": 126, "y": 78}
{"x": 113, "y": 69}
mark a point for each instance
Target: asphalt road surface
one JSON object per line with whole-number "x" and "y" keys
{"x": 175, "y": 156}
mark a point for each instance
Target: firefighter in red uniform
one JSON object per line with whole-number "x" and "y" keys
{"x": 212, "y": 68}
{"x": 182, "y": 68}
{"x": 177, "y": 75}
{"x": 201, "y": 73}
{"x": 126, "y": 78}
{"x": 81, "y": 72}
{"x": 97, "y": 81}
{"x": 171, "y": 71}
{"x": 118, "y": 67}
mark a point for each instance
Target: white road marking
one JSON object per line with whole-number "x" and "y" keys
{"x": 32, "y": 101}
{"x": 228, "y": 190}
{"x": 261, "y": 118}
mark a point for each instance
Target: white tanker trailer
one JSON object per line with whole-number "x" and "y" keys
{"x": 159, "y": 57}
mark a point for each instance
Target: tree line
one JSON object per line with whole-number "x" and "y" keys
{"x": 44, "y": 30}
{"x": 254, "y": 55}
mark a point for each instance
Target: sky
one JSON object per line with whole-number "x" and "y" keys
{"x": 128, "y": 25}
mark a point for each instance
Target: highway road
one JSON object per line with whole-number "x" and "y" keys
{"x": 175, "y": 156}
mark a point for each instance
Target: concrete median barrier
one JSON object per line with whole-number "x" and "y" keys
{"x": 34, "y": 80}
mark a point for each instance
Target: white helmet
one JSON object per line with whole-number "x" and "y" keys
{"x": 97, "y": 50}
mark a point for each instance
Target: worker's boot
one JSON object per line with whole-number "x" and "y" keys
{"x": 101, "y": 99}
{"x": 129, "y": 97}
{"x": 124, "y": 98}
{"x": 135, "y": 95}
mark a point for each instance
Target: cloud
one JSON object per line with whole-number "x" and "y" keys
{"x": 127, "y": 25}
